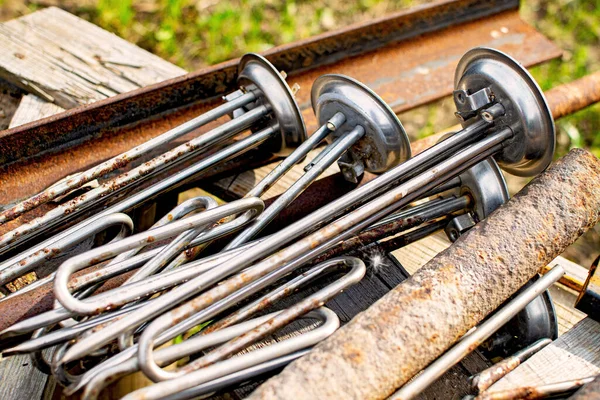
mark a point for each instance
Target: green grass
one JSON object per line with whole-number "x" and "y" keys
{"x": 575, "y": 27}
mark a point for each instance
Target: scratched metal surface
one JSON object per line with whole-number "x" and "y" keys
{"x": 406, "y": 74}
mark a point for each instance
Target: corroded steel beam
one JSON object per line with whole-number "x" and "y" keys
{"x": 76, "y": 139}
{"x": 311, "y": 53}
{"x": 382, "y": 348}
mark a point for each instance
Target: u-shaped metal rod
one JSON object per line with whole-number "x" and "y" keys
{"x": 356, "y": 272}
{"x": 178, "y": 212}
{"x": 304, "y": 248}
{"x": 105, "y": 252}
{"x": 86, "y": 231}
{"x": 18, "y": 264}
{"x": 329, "y": 322}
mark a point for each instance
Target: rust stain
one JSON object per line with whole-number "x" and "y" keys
{"x": 23, "y": 179}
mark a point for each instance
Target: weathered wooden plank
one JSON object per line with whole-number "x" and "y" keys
{"x": 576, "y": 354}
{"x": 31, "y": 108}
{"x": 68, "y": 61}
{"x": 49, "y": 51}
{"x": 20, "y": 380}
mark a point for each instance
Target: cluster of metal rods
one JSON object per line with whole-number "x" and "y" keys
{"x": 222, "y": 299}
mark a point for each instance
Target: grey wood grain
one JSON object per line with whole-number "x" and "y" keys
{"x": 20, "y": 380}
{"x": 574, "y": 355}
{"x": 68, "y": 61}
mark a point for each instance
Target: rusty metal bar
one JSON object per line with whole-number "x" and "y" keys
{"x": 65, "y": 129}
{"x": 570, "y": 97}
{"x": 486, "y": 378}
{"x": 473, "y": 339}
{"x": 416, "y": 80}
{"x": 382, "y": 348}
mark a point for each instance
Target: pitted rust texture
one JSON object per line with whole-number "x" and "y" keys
{"x": 574, "y": 96}
{"x": 383, "y": 347}
{"x": 591, "y": 391}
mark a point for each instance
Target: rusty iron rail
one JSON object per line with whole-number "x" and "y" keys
{"x": 87, "y": 121}
{"x": 402, "y": 87}
{"x": 427, "y": 313}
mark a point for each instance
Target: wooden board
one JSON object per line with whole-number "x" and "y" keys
{"x": 70, "y": 62}
{"x": 574, "y": 355}
{"x": 19, "y": 380}
{"x": 31, "y": 108}
{"x": 239, "y": 185}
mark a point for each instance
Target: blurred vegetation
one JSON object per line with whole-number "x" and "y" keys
{"x": 575, "y": 27}
{"x": 196, "y": 33}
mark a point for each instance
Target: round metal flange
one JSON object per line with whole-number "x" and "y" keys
{"x": 531, "y": 149}
{"x": 486, "y": 185}
{"x": 385, "y": 143}
{"x": 536, "y": 321}
{"x": 256, "y": 73}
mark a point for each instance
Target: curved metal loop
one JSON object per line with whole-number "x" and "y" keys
{"x": 86, "y": 307}
{"x": 190, "y": 205}
{"x": 177, "y": 276}
{"x": 59, "y": 371}
{"x": 88, "y": 230}
{"x": 37, "y": 357}
{"x": 264, "y": 104}
{"x": 329, "y": 322}
{"x": 111, "y": 269}
{"x": 356, "y": 272}
{"x": 176, "y": 246}
{"x": 241, "y": 362}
